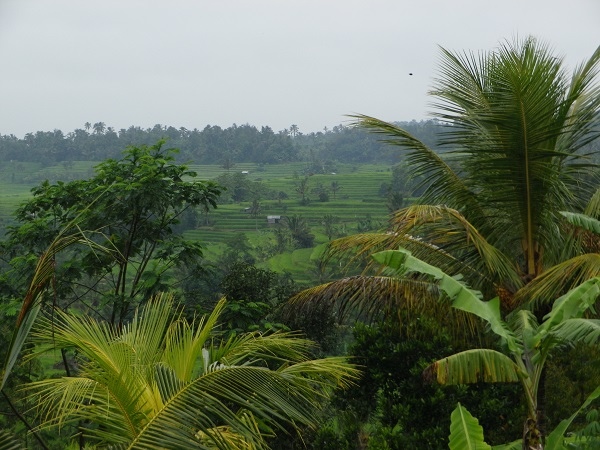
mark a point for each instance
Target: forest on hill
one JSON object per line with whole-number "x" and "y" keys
{"x": 211, "y": 145}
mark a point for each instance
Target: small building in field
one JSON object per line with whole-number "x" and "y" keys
{"x": 273, "y": 219}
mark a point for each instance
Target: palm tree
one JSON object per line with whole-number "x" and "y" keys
{"x": 161, "y": 382}
{"x": 491, "y": 211}
{"x": 527, "y": 344}
{"x": 99, "y": 127}
{"x": 335, "y": 187}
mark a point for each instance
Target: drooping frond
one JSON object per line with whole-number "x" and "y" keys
{"x": 462, "y": 297}
{"x": 557, "y": 280}
{"x": 365, "y": 297}
{"x": 443, "y": 184}
{"x": 474, "y": 366}
{"x": 448, "y": 231}
{"x": 286, "y": 396}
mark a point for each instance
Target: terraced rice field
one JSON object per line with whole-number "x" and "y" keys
{"x": 357, "y": 201}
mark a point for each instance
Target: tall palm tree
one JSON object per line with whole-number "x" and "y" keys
{"x": 161, "y": 382}
{"x": 514, "y": 159}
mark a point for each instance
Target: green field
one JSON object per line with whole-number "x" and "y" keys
{"x": 356, "y": 201}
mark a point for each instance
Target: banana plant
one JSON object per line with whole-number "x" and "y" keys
{"x": 466, "y": 433}
{"x": 525, "y": 343}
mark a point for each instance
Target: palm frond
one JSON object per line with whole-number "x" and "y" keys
{"x": 463, "y": 298}
{"x": 557, "y": 280}
{"x": 8, "y": 442}
{"x": 365, "y": 297}
{"x": 275, "y": 397}
{"x": 184, "y": 342}
{"x": 447, "y": 230}
{"x": 42, "y": 276}
{"x": 257, "y": 348}
{"x": 443, "y": 185}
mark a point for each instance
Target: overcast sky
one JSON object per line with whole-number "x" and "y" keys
{"x": 192, "y": 63}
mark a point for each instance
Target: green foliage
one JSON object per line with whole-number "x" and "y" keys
{"x": 136, "y": 201}
{"x": 392, "y": 407}
{"x": 299, "y": 230}
{"x": 136, "y": 382}
{"x": 465, "y": 431}
{"x": 527, "y": 343}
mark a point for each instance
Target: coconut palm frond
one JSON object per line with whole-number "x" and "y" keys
{"x": 557, "y": 280}
{"x": 281, "y": 347}
{"x": 372, "y": 298}
{"x": 136, "y": 394}
{"x": 580, "y": 108}
{"x": 447, "y": 230}
{"x": 442, "y": 183}
{"x": 42, "y": 277}
{"x": 365, "y": 297}
{"x": 8, "y": 442}
{"x": 274, "y": 396}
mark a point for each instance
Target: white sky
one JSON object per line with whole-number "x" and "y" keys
{"x": 264, "y": 62}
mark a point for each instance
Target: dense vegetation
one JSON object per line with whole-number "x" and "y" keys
{"x": 485, "y": 276}
{"x": 211, "y": 145}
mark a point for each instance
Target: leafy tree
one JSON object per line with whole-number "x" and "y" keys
{"x": 392, "y": 407}
{"x": 134, "y": 202}
{"x": 329, "y": 222}
{"x": 161, "y": 382}
{"x": 335, "y": 188}
{"x": 302, "y": 188}
{"x": 252, "y": 295}
{"x": 227, "y": 163}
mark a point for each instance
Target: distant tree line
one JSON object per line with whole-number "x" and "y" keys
{"x": 213, "y": 144}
